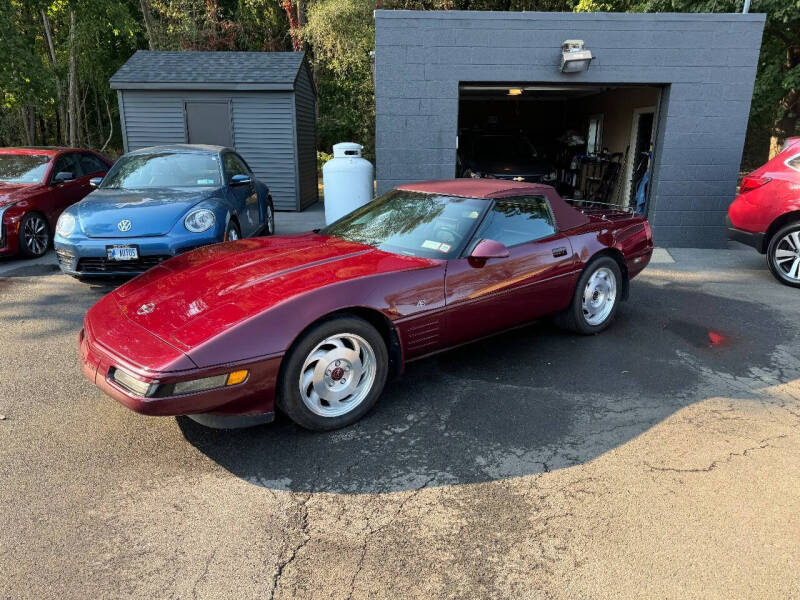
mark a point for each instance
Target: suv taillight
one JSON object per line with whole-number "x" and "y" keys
{"x": 752, "y": 182}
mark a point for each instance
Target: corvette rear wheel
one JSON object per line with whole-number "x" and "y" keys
{"x": 596, "y": 298}
{"x": 783, "y": 255}
{"x": 334, "y": 374}
{"x": 34, "y": 235}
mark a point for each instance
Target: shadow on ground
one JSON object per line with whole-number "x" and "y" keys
{"x": 524, "y": 402}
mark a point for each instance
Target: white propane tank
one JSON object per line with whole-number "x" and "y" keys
{"x": 347, "y": 179}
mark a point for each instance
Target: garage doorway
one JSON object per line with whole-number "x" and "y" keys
{"x": 208, "y": 123}
{"x": 593, "y": 143}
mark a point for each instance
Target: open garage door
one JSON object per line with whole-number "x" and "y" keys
{"x": 591, "y": 142}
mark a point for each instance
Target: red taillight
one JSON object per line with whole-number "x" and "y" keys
{"x": 752, "y": 182}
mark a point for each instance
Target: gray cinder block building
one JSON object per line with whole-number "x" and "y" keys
{"x": 675, "y": 88}
{"x": 263, "y": 104}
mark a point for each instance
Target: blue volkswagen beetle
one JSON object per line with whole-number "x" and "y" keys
{"x": 157, "y": 202}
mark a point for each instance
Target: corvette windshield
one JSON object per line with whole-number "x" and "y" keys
{"x": 23, "y": 168}
{"x": 163, "y": 169}
{"x": 412, "y": 223}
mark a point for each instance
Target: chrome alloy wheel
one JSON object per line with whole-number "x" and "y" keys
{"x": 337, "y": 375}
{"x": 787, "y": 256}
{"x": 270, "y": 220}
{"x": 599, "y": 296}
{"x": 35, "y": 235}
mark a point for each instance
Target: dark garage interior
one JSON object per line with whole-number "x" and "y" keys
{"x": 592, "y": 142}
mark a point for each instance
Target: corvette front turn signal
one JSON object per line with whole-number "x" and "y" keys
{"x": 237, "y": 377}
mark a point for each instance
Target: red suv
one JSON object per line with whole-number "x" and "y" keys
{"x": 36, "y": 185}
{"x": 766, "y": 214}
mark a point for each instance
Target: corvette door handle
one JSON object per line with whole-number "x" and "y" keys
{"x": 560, "y": 251}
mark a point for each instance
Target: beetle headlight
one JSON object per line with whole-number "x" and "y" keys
{"x": 65, "y": 225}
{"x": 199, "y": 220}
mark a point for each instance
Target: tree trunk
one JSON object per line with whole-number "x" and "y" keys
{"x": 301, "y": 13}
{"x": 785, "y": 125}
{"x": 51, "y": 54}
{"x": 73, "y": 82}
{"x": 148, "y": 24}
{"x": 781, "y": 129}
{"x": 28, "y": 115}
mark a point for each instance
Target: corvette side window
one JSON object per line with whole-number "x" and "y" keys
{"x": 518, "y": 220}
{"x": 794, "y": 163}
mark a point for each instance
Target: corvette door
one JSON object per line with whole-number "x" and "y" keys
{"x": 245, "y": 195}
{"x": 488, "y": 295}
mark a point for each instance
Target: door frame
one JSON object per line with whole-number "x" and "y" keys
{"x": 637, "y": 112}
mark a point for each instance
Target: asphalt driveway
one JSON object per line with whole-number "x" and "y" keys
{"x": 659, "y": 459}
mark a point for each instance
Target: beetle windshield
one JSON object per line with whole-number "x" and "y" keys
{"x": 413, "y": 223}
{"x": 23, "y": 168}
{"x": 164, "y": 169}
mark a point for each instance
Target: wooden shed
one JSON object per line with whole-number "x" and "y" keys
{"x": 263, "y": 104}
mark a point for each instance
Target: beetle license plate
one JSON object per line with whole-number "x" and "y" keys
{"x": 122, "y": 252}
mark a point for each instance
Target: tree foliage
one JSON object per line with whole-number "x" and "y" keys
{"x": 338, "y": 35}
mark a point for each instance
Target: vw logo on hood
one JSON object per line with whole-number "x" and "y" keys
{"x": 146, "y": 309}
{"x": 124, "y": 225}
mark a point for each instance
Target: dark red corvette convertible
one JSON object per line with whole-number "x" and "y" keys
{"x": 314, "y": 324}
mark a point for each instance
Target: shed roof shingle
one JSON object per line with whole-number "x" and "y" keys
{"x": 148, "y": 69}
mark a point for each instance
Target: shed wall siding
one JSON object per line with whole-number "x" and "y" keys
{"x": 306, "y": 131}
{"x": 707, "y": 64}
{"x": 263, "y": 131}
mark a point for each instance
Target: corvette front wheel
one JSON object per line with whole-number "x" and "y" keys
{"x": 334, "y": 374}
{"x": 596, "y": 298}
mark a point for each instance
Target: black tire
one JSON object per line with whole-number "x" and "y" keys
{"x": 289, "y": 398}
{"x": 34, "y": 235}
{"x": 779, "y": 242}
{"x": 269, "y": 225}
{"x": 574, "y": 318}
{"x": 232, "y": 232}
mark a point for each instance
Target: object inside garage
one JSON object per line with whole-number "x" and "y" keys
{"x": 594, "y": 143}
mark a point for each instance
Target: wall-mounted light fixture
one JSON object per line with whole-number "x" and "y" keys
{"x": 515, "y": 92}
{"x": 574, "y": 57}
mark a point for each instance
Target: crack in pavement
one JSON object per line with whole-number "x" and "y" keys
{"x": 714, "y": 464}
{"x": 306, "y": 537}
{"x": 202, "y": 576}
{"x": 372, "y": 532}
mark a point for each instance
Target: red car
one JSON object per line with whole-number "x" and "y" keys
{"x": 315, "y": 323}
{"x": 766, "y": 214}
{"x": 36, "y": 185}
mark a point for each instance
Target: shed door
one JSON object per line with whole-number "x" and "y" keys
{"x": 208, "y": 123}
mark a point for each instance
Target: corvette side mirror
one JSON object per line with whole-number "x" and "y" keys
{"x": 240, "y": 180}
{"x": 63, "y": 177}
{"x": 95, "y": 181}
{"x": 489, "y": 249}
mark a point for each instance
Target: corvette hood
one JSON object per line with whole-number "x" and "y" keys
{"x": 151, "y": 212}
{"x": 193, "y": 297}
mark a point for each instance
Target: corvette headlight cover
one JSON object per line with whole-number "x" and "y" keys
{"x": 199, "y": 221}
{"x": 65, "y": 225}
